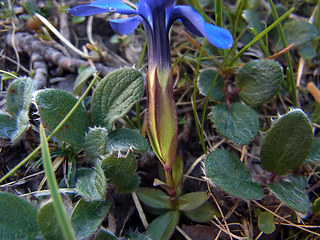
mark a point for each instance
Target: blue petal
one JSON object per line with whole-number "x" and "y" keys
{"x": 217, "y": 36}
{"x": 191, "y": 19}
{"x": 145, "y": 12}
{"x": 125, "y": 25}
{"x": 161, "y": 4}
{"x": 102, "y": 6}
{"x": 195, "y": 23}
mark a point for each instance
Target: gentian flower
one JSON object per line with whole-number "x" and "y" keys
{"x": 157, "y": 16}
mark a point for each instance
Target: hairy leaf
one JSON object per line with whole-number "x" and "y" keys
{"x": 115, "y": 95}
{"x": 240, "y": 124}
{"x": 287, "y": 143}
{"x": 92, "y": 183}
{"x": 228, "y": 172}
{"x": 290, "y": 194}
{"x": 18, "y": 218}
{"x": 258, "y": 81}
{"x": 125, "y": 139}
{"x": 54, "y": 105}
{"x": 87, "y": 216}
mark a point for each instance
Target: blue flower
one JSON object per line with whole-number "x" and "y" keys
{"x": 157, "y": 16}
{"x": 150, "y": 14}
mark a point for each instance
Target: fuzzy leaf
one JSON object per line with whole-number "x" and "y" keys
{"x": 105, "y": 234}
{"x": 229, "y": 173}
{"x": 124, "y": 139}
{"x": 7, "y": 125}
{"x": 19, "y": 95}
{"x": 119, "y": 170}
{"x": 92, "y": 183}
{"x": 163, "y": 226}
{"x": 87, "y": 216}
{"x": 252, "y": 17}
{"x": 54, "y": 105}
{"x": 154, "y": 198}
{"x": 115, "y": 95}
{"x": 205, "y": 80}
{"x": 190, "y": 201}
{"x": 22, "y": 124}
{"x": 96, "y": 142}
{"x": 18, "y": 218}
{"x": 202, "y": 214}
{"x": 240, "y": 124}
{"x": 307, "y": 52}
{"x": 81, "y": 79}
{"x": 314, "y": 154}
{"x": 258, "y": 81}
{"x": 287, "y": 143}
{"x": 299, "y": 32}
{"x": 48, "y": 222}
{"x": 135, "y": 236}
{"x": 131, "y": 186}
{"x": 290, "y": 194}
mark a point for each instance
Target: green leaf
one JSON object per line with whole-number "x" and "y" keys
{"x": 229, "y": 173}
{"x": 299, "y": 32}
{"x": 316, "y": 206}
{"x": 124, "y": 139}
{"x": 190, "y": 201}
{"x": 135, "y": 236}
{"x": 87, "y": 216}
{"x": 299, "y": 182}
{"x": 258, "y": 81}
{"x": 252, "y": 17}
{"x": 120, "y": 170}
{"x": 265, "y": 221}
{"x": 92, "y": 183}
{"x": 202, "y": 214}
{"x": 131, "y": 186}
{"x": 96, "y": 142}
{"x": 314, "y": 154}
{"x": 105, "y": 234}
{"x": 287, "y": 143}
{"x": 7, "y": 125}
{"x": 205, "y": 80}
{"x": 115, "y": 95}
{"x": 19, "y": 95}
{"x": 163, "y": 226}
{"x": 240, "y": 124}
{"x": 81, "y": 79}
{"x": 48, "y": 222}
{"x": 307, "y": 52}
{"x": 154, "y": 198}
{"x": 54, "y": 105}
{"x": 18, "y": 218}
{"x": 22, "y": 124}
{"x": 290, "y": 194}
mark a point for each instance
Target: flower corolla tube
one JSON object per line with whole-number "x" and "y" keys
{"x": 157, "y": 16}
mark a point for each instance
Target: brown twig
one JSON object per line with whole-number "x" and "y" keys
{"x": 30, "y": 44}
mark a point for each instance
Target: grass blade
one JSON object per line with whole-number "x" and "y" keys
{"x": 59, "y": 209}
{"x": 260, "y": 35}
